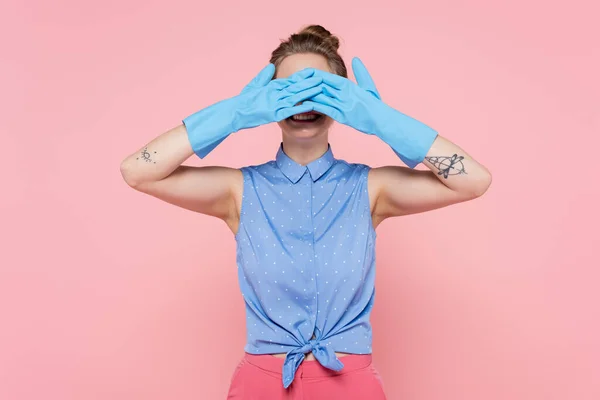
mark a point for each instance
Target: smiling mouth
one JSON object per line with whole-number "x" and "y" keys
{"x": 305, "y": 118}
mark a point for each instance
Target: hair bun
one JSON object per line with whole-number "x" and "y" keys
{"x": 323, "y": 34}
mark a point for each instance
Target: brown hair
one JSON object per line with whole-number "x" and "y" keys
{"x": 312, "y": 39}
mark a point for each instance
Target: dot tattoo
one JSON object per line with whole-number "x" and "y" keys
{"x": 448, "y": 165}
{"x": 145, "y": 155}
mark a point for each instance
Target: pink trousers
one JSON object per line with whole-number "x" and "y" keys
{"x": 258, "y": 377}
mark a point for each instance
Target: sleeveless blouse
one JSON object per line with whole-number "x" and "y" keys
{"x": 305, "y": 253}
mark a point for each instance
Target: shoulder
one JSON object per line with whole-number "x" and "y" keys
{"x": 355, "y": 174}
{"x": 260, "y": 169}
{"x": 249, "y": 173}
{"x": 347, "y": 166}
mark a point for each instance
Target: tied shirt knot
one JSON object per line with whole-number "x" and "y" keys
{"x": 324, "y": 355}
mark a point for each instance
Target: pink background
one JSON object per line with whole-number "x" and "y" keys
{"x": 106, "y": 293}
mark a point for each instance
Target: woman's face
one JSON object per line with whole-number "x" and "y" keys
{"x": 303, "y": 125}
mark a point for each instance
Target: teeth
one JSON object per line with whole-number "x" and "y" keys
{"x": 300, "y": 117}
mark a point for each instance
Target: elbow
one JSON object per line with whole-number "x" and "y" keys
{"x": 477, "y": 186}
{"x": 128, "y": 175}
{"x": 483, "y": 184}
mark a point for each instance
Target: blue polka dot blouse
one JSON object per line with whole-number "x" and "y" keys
{"x": 306, "y": 259}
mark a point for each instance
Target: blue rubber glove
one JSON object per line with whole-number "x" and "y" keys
{"x": 360, "y": 106}
{"x": 262, "y": 101}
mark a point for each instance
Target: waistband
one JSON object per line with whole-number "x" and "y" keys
{"x": 309, "y": 368}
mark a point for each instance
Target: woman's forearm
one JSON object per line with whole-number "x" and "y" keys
{"x": 159, "y": 158}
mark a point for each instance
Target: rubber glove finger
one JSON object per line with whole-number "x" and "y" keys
{"x": 301, "y": 96}
{"x": 281, "y": 83}
{"x": 332, "y": 92}
{"x": 300, "y": 75}
{"x": 333, "y": 80}
{"x": 363, "y": 78}
{"x": 328, "y": 101}
{"x": 325, "y": 109}
{"x": 289, "y": 111}
{"x": 302, "y": 85}
{"x": 262, "y": 79}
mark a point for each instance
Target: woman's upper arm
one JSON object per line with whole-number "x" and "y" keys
{"x": 400, "y": 191}
{"x": 210, "y": 190}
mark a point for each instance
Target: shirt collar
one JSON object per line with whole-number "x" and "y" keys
{"x": 294, "y": 171}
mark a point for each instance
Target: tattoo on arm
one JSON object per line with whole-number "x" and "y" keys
{"x": 448, "y": 165}
{"x": 146, "y": 156}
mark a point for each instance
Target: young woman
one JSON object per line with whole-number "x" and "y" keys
{"x": 305, "y": 222}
